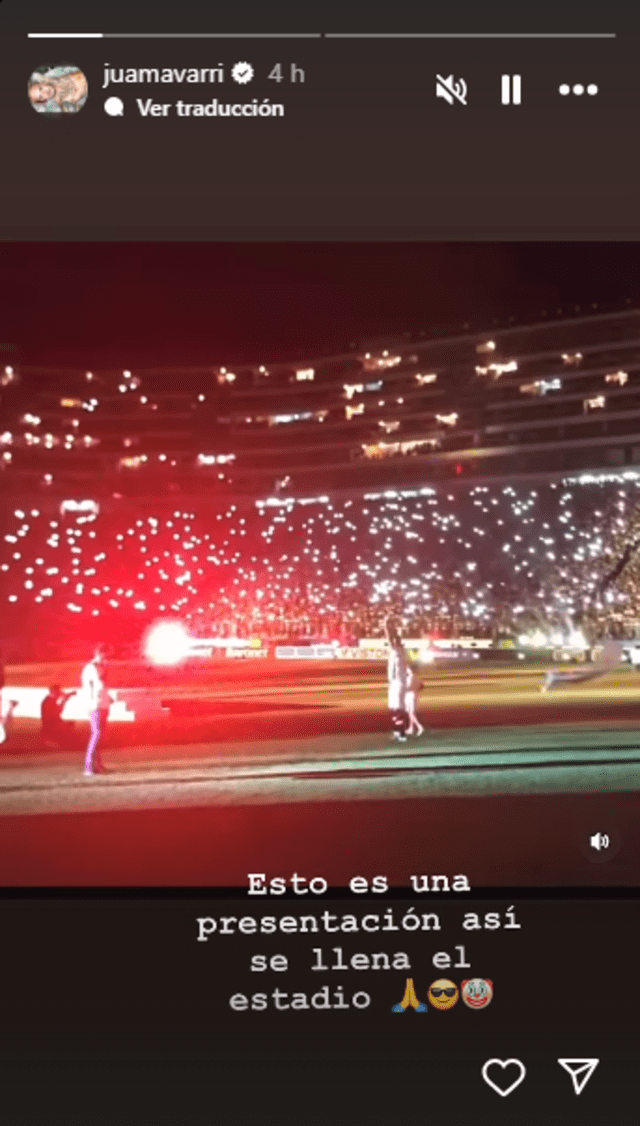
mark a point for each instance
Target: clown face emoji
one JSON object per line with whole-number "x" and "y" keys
{"x": 443, "y": 994}
{"x": 477, "y": 992}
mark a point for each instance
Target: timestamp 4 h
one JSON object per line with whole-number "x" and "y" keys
{"x": 287, "y": 72}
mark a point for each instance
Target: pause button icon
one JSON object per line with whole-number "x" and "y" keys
{"x": 511, "y": 89}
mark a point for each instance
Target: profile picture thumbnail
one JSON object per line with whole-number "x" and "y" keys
{"x": 58, "y": 89}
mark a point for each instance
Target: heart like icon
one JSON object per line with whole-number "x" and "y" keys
{"x": 501, "y": 1077}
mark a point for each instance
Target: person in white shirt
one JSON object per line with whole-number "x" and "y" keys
{"x": 6, "y": 721}
{"x": 397, "y": 677}
{"x": 99, "y": 702}
{"x": 414, "y": 684}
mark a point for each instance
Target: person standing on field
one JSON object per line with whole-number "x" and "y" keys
{"x": 397, "y": 668}
{"x": 414, "y": 684}
{"x": 6, "y": 721}
{"x": 93, "y": 685}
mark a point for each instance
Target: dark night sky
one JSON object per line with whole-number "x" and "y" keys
{"x": 127, "y": 304}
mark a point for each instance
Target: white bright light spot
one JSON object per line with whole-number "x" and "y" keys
{"x": 167, "y": 643}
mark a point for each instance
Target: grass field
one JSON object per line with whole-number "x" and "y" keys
{"x": 267, "y": 764}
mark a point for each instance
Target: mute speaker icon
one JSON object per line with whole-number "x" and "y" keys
{"x": 451, "y": 89}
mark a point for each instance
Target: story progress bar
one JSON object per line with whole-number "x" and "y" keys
{"x": 174, "y": 35}
{"x": 321, "y": 35}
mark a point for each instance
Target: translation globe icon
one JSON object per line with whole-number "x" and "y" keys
{"x": 114, "y": 107}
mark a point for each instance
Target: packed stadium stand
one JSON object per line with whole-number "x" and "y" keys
{"x": 481, "y": 483}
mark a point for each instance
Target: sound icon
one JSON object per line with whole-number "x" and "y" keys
{"x": 451, "y": 89}
{"x": 600, "y": 840}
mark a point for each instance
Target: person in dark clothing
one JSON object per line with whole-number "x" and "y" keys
{"x": 56, "y": 731}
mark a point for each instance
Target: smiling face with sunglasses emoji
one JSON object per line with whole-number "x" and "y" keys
{"x": 443, "y": 994}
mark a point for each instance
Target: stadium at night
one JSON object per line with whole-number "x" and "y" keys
{"x": 237, "y": 534}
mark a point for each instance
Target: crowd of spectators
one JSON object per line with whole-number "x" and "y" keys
{"x": 485, "y": 561}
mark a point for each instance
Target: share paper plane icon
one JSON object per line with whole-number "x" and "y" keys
{"x": 580, "y": 1072}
